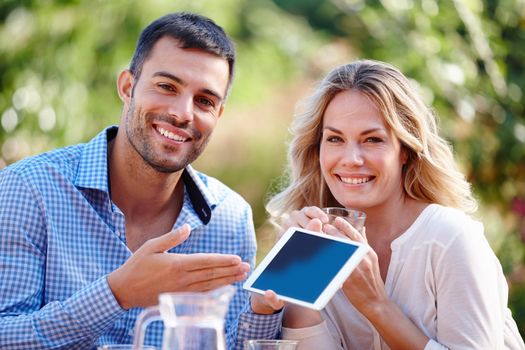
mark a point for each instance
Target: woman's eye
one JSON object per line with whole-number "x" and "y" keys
{"x": 374, "y": 139}
{"x": 333, "y": 139}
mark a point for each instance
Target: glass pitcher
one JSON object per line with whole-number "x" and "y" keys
{"x": 192, "y": 321}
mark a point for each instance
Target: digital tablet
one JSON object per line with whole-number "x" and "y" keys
{"x": 306, "y": 267}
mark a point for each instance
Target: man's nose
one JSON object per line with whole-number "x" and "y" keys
{"x": 182, "y": 109}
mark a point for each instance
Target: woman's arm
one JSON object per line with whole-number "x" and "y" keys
{"x": 365, "y": 289}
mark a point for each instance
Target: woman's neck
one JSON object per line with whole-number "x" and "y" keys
{"x": 389, "y": 221}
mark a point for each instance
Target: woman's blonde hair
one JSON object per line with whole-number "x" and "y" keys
{"x": 430, "y": 174}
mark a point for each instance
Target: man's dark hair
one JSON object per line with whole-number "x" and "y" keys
{"x": 193, "y": 32}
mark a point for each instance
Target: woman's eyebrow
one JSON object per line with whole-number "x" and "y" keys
{"x": 364, "y": 132}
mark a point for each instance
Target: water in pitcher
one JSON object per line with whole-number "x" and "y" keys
{"x": 192, "y": 321}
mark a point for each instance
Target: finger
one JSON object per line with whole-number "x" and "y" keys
{"x": 346, "y": 228}
{"x": 316, "y": 213}
{"x": 267, "y": 303}
{"x": 197, "y": 276}
{"x": 167, "y": 241}
{"x": 363, "y": 233}
{"x": 199, "y": 261}
{"x": 297, "y": 218}
{"x": 273, "y": 300}
{"x": 333, "y": 231}
{"x": 203, "y": 286}
{"x": 315, "y": 225}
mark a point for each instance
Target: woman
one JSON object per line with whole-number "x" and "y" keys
{"x": 365, "y": 140}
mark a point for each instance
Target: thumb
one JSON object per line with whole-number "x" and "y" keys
{"x": 363, "y": 233}
{"x": 168, "y": 240}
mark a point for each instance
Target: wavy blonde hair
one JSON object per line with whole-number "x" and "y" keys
{"x": 430, "y": 174}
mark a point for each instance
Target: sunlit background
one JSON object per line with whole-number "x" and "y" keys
{"x": 59, "y": 61}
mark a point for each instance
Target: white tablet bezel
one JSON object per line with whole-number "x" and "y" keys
{"x": 329, "y": 289}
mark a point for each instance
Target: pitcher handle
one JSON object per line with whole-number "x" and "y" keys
{"x": 147, "y": 316}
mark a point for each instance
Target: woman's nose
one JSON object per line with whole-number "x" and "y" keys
{"x": 353, "y": 155}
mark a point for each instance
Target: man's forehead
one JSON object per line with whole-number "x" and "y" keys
{"x": 188, "y": 64}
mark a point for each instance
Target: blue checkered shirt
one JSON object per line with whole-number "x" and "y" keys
{"x": 61, "y": 235}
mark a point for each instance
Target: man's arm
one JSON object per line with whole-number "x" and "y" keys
{"x": 25, "y": 322}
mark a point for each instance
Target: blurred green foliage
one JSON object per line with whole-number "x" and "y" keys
{"x": 59, "y": 61}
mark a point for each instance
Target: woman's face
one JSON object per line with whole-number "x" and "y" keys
{"x": 361, "y": 159}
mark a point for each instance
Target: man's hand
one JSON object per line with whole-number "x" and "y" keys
{"x": 151, "y": 271}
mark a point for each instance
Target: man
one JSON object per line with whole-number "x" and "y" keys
{"x": 92, "y": 233}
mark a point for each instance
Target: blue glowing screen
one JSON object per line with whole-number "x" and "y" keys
{"x": 304, "y": 266}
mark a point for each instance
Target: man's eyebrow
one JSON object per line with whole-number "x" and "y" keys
{"x": 213, "y": 93}
{"x": 183, "y": 83}
{"x": 170, "y": 76}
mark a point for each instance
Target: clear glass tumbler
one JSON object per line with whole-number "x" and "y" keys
{"x": 355, "y": 217}
{"x": 270, "y": 344}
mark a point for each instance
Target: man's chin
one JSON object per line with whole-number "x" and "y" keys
{"x": 166, "y": 166}
{"x": 167, "y": 169}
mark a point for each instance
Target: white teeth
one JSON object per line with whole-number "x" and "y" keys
{"x": 353, "y": 181}
{"x": 170, "y": 135}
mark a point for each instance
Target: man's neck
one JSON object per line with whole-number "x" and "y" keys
{"x": 136, "y": 188}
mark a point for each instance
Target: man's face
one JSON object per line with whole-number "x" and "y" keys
{"x": 174, "y": 105}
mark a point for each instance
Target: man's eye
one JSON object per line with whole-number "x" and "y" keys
{"x": 205, "y": 102}
{"x": 166, "y": 87}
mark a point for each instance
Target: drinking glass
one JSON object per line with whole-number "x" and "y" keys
{"x": 270, "y": 344}
{"x": 355, "y": 217}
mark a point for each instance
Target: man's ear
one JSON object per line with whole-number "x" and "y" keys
{"x": 221, "y": 110}
{"x": 125, "y": 83}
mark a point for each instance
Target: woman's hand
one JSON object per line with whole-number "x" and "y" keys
{"x": 294, "y": 316}
{"x": 266, "y": 304}
{"x": 364, "y": 288}
{"x": 311, "y": 218}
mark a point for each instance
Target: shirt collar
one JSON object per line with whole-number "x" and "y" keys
{"x": 202, "y": 200}
{"x": 93, "y": 167}
{"x": 93, "y": 174}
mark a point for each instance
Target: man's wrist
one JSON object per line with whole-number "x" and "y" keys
{"x": 115, "y": 282}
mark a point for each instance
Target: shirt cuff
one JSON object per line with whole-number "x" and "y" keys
{"x": 94, "y": 308}
{"x": 256, "y": 326}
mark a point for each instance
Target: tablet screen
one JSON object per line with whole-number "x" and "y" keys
{"x": 305, "y": 265}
